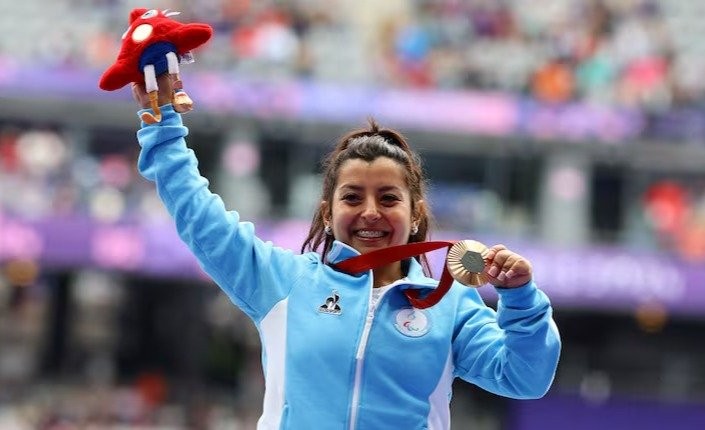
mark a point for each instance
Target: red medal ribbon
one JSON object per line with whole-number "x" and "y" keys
{"x": 380, "y": 257}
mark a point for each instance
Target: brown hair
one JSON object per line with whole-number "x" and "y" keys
{"x": 369, "y": 144}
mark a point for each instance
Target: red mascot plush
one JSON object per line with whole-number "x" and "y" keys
{"x": 155, "y": 44}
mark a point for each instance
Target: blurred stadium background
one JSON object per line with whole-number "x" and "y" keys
{"x": 572, "y": 130}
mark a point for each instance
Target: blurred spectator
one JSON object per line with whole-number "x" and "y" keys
{"x": 672, "y": 217}
{"x": 553, "y": 82}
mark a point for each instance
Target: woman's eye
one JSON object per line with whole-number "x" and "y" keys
{"x": 350, "y": 197}
{"x": 387, "y": 198}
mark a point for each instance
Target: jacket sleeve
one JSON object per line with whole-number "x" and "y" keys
{"x": 254, "y": 274}
{"x": 513, "y": 352}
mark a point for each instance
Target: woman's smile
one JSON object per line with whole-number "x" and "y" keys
{"x": 370, "y": 234}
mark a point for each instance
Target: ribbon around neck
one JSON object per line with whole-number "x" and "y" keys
{"x": 380, "y": 257}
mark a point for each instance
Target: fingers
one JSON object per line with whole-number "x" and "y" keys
{"x": 140, "y": 95}
{"x": 166, "y": 88}
{"x": 506, "y": 268}
{"x": 165, "y": 84}
{"x": 491, "y": 252}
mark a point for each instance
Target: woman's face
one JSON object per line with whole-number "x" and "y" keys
{"x": 371, "y": 205}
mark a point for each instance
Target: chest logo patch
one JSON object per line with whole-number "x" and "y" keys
{"x": 412, "y": 322}
{"x": 331, "y": 306}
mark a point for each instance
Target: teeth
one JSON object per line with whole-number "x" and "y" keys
{"x": 370, "y": 233}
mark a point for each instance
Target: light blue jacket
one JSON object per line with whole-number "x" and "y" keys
{"x": 331, "y": 359}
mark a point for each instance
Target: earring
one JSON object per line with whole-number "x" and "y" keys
{"x": 328, "y": 230}
{"x": 414, "y": 229}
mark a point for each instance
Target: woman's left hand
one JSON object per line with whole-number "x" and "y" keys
{"x": 506, "y": 268}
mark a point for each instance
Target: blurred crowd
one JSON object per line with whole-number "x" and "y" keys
{"x": 103, "y": 366}
{"x": 47, "y": 174}
{"x": 633, "y": 53}
{"x": 674, "y": 215}
{"x": 111, "y": 407}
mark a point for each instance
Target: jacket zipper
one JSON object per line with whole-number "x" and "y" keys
{"x": 360, "y": 355}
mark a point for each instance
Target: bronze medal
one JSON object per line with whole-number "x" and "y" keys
{"x": 466, "y": 261}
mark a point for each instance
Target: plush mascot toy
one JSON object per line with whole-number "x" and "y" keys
{"x": 155, "y": 44}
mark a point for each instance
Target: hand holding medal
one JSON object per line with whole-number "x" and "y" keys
{"x": 505, "y": 268}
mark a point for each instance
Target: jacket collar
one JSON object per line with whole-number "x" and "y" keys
{"x": 340, "y": 251}
{"x": 415, "y": 278}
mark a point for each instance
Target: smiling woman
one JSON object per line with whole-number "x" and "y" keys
{"x": 331, "y": 340}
